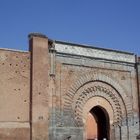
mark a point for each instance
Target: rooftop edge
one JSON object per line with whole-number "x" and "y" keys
{"x": 30, "y": 35}
{"x": 14, "y": 50}
{"x": 93, "y": 47}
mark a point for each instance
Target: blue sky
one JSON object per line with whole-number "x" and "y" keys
{"x": 102, "y": 23}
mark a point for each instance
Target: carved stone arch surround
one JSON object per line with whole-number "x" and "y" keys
{"x": 118, "y": 101}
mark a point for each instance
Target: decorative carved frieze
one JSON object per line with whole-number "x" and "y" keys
{"x": 97, "y": 85}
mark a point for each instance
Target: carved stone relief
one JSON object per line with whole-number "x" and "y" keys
{"x": 97, "y": 85}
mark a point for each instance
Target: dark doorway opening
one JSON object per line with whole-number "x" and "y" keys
{"x": 102, "y": 119}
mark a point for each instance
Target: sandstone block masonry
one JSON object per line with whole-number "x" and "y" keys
{"x": 47, "y": 92}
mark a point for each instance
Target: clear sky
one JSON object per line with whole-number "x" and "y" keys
{"x": 102, "y": 23}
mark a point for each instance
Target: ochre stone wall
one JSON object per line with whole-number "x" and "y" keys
{"x": 48, "y": 92}
{"x": 14, "y": 95}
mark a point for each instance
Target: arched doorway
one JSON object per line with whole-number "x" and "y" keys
{"x": 102, "y": 123}
{"x": 98, "y": 96}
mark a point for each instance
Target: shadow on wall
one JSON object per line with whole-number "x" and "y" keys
{"x": 68, "y": 138}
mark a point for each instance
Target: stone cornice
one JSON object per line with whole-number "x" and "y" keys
{"x": 70, "y": 49}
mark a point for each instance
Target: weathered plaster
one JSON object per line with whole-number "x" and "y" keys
{"x": 46, "y": 93}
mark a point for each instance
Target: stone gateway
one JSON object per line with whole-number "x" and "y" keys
{"x": 64, "y": 91}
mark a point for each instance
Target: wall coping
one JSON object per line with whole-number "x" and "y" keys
{"x": 94, "y": 52}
